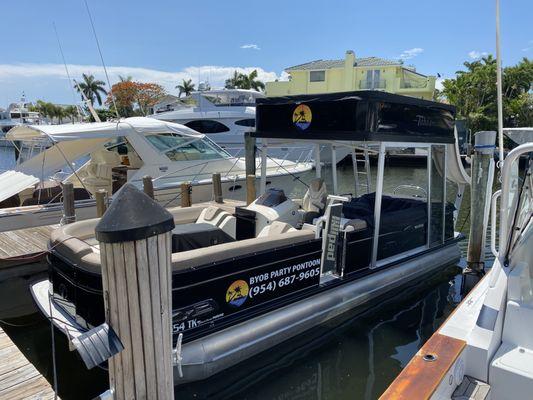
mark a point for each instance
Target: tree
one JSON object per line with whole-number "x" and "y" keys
{"x": 127, "y": 78}
{"x": 185, "y": 87}
{"x": 135, "y": 98}
{"x": 92, "y": 88}
{"x": 148, "y": 94}
{"x": 72, "y": 113}
{"x": 243, "y": 81}
{"x": 473, "y": 92}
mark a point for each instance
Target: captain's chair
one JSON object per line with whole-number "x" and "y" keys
{"x": 314, "y": 201}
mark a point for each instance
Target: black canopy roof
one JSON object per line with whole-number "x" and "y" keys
{"x": 367, "y": 115}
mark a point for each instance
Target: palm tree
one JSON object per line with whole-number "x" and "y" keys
{"x": 250, "y": 81}
{"x": 235, "y": 81}
{"x": 92, "y": 88}
{"x": 243, "y": 81}
{"x": 127, "y": 78}
{"x": 186, "y": 87}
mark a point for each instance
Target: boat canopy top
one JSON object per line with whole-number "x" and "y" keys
{"x": 99, "y": 130}
{"x": 519, "y": 135}
{"x": 367, "y": 115}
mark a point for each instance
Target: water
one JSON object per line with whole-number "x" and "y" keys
{"x": 355, "y": 357}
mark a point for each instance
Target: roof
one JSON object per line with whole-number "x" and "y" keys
{"x": 359, "y": 62}
{"x": 366, "y": 115}
{"x": 94, "y": 130}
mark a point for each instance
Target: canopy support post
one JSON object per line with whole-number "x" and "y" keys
{"x": 334, "y": 168}
{"x": 318, "y": 167}
{"x": 264, "y": 148}
{"x": 377, "y": 204}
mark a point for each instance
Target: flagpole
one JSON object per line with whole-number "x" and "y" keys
{"x": 499, "y": 85}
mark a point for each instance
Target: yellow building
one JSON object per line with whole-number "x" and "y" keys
{"x": 369, "y": 73}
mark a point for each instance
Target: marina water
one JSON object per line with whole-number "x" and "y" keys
{"x": 355, "y": 357}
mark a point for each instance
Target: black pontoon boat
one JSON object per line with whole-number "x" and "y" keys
{"x": 248, "y": 278}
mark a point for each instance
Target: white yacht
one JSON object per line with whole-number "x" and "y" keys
{"x": 106, "y": 155}
{"x": 225, "y": 115}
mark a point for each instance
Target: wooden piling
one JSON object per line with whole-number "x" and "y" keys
{"x": 250, "y": 189}
{"x": 135, "y": 253}
{"x": 186, "y": 190}
{"x": 69, "y": 211}
{"x": 148, "y": 186}
{"x": 480, "y": 195}
{"x": 249, "y": 153}
{"x": 217, "y": 188}
{"x": 101, "y": 202}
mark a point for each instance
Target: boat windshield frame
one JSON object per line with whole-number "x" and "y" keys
{"x": 186, "y": 141}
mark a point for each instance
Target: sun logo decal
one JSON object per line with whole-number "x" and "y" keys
{"x": 237, "y": 293}
{"x": 302, "y": 116}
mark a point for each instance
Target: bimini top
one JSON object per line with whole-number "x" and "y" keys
{"x": 99, "y": 130}
{"x": 355, "y": 116}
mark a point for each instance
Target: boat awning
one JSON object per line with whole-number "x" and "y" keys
{"x": 367, "y": 115}
{"x": 99, "y": 130}
{"x": 13, "y": 182}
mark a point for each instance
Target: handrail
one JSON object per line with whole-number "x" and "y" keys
{"x": 410, "y": 187}
{"x": 511, "y": 158}
{"x": 493, "y": 214}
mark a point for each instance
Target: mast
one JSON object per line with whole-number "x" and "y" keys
{"x": 499, "y": 85}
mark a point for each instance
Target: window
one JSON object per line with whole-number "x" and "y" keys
{"x": 317, "y": 76}
{"x": 179, "y": 148}
{"x": 246, "y": 122}
{"x": 207, "y": 126}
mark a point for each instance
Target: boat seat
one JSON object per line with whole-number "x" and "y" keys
{"x": 276, "y": 228}
{"x": 356, "y": 224}
{"x": 220, "y": 218}
{"x": 314, "y": 201}
{"x": 228, "y": 251}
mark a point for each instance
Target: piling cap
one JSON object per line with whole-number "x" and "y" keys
{"x": 485, "y": 142}
{"x": 133, "y": 216}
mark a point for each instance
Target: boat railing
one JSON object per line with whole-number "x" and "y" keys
{"x": 509, "y": 184}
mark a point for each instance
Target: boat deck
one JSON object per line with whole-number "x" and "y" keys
{"x": 19, "y": 379}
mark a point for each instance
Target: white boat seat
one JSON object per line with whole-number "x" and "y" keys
{"x": 315, "y": 199}
{"x": 220, "y": 218}
{"x": 356, "y": 224}
{"x": 276, "y": 228}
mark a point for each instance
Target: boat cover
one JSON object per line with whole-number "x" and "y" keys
{"x": 99, "y": 130}
{"x": 355, "y": 116}
{"x": 13, "y": 182}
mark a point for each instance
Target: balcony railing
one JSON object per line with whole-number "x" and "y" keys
{"x": 411, "y": 84}
{"x": 370, "y": 85}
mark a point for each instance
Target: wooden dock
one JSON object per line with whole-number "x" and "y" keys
{"x": 19, "y": 379}
{"x": 24, "y": 246}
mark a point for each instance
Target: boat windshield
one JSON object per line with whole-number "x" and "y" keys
{"x": 179, "y": 148}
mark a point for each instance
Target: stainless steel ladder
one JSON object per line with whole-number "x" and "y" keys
{"x": 360, "y": 159}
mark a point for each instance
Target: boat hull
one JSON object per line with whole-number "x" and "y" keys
{"x": 212, "y": 353}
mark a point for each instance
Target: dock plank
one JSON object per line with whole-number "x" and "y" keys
{"x": 19, "y": 379}
{"x": 24, "y": 246}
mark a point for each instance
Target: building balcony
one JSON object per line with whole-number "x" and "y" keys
{"x": 412, "y": 84}
{"x": 372, "y": 85}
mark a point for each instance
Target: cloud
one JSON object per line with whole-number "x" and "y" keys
{"x": 438, "y": 83}
{"x": 529, "y": 47}
{"x": 250, "y": 46}
{"x": 475, "y": 55}
{"x": 215, "y": 74}
{"x": 411, "y": 53}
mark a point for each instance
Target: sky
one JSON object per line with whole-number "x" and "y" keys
{"x": 165, "y": 41}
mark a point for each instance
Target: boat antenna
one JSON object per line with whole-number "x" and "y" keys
{"x": 102, "y": 58}
{"x": 66, "y": 70}
{"x": 499, "y": 85}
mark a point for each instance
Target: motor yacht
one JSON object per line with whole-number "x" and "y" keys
{"x": 106, "y": 155}
{"x": 245, "y": 279}
{"x": 225, "y": 115}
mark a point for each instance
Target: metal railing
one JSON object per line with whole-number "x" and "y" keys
{"x": 374, "y": 84}
{"x": 412, "y": 84}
